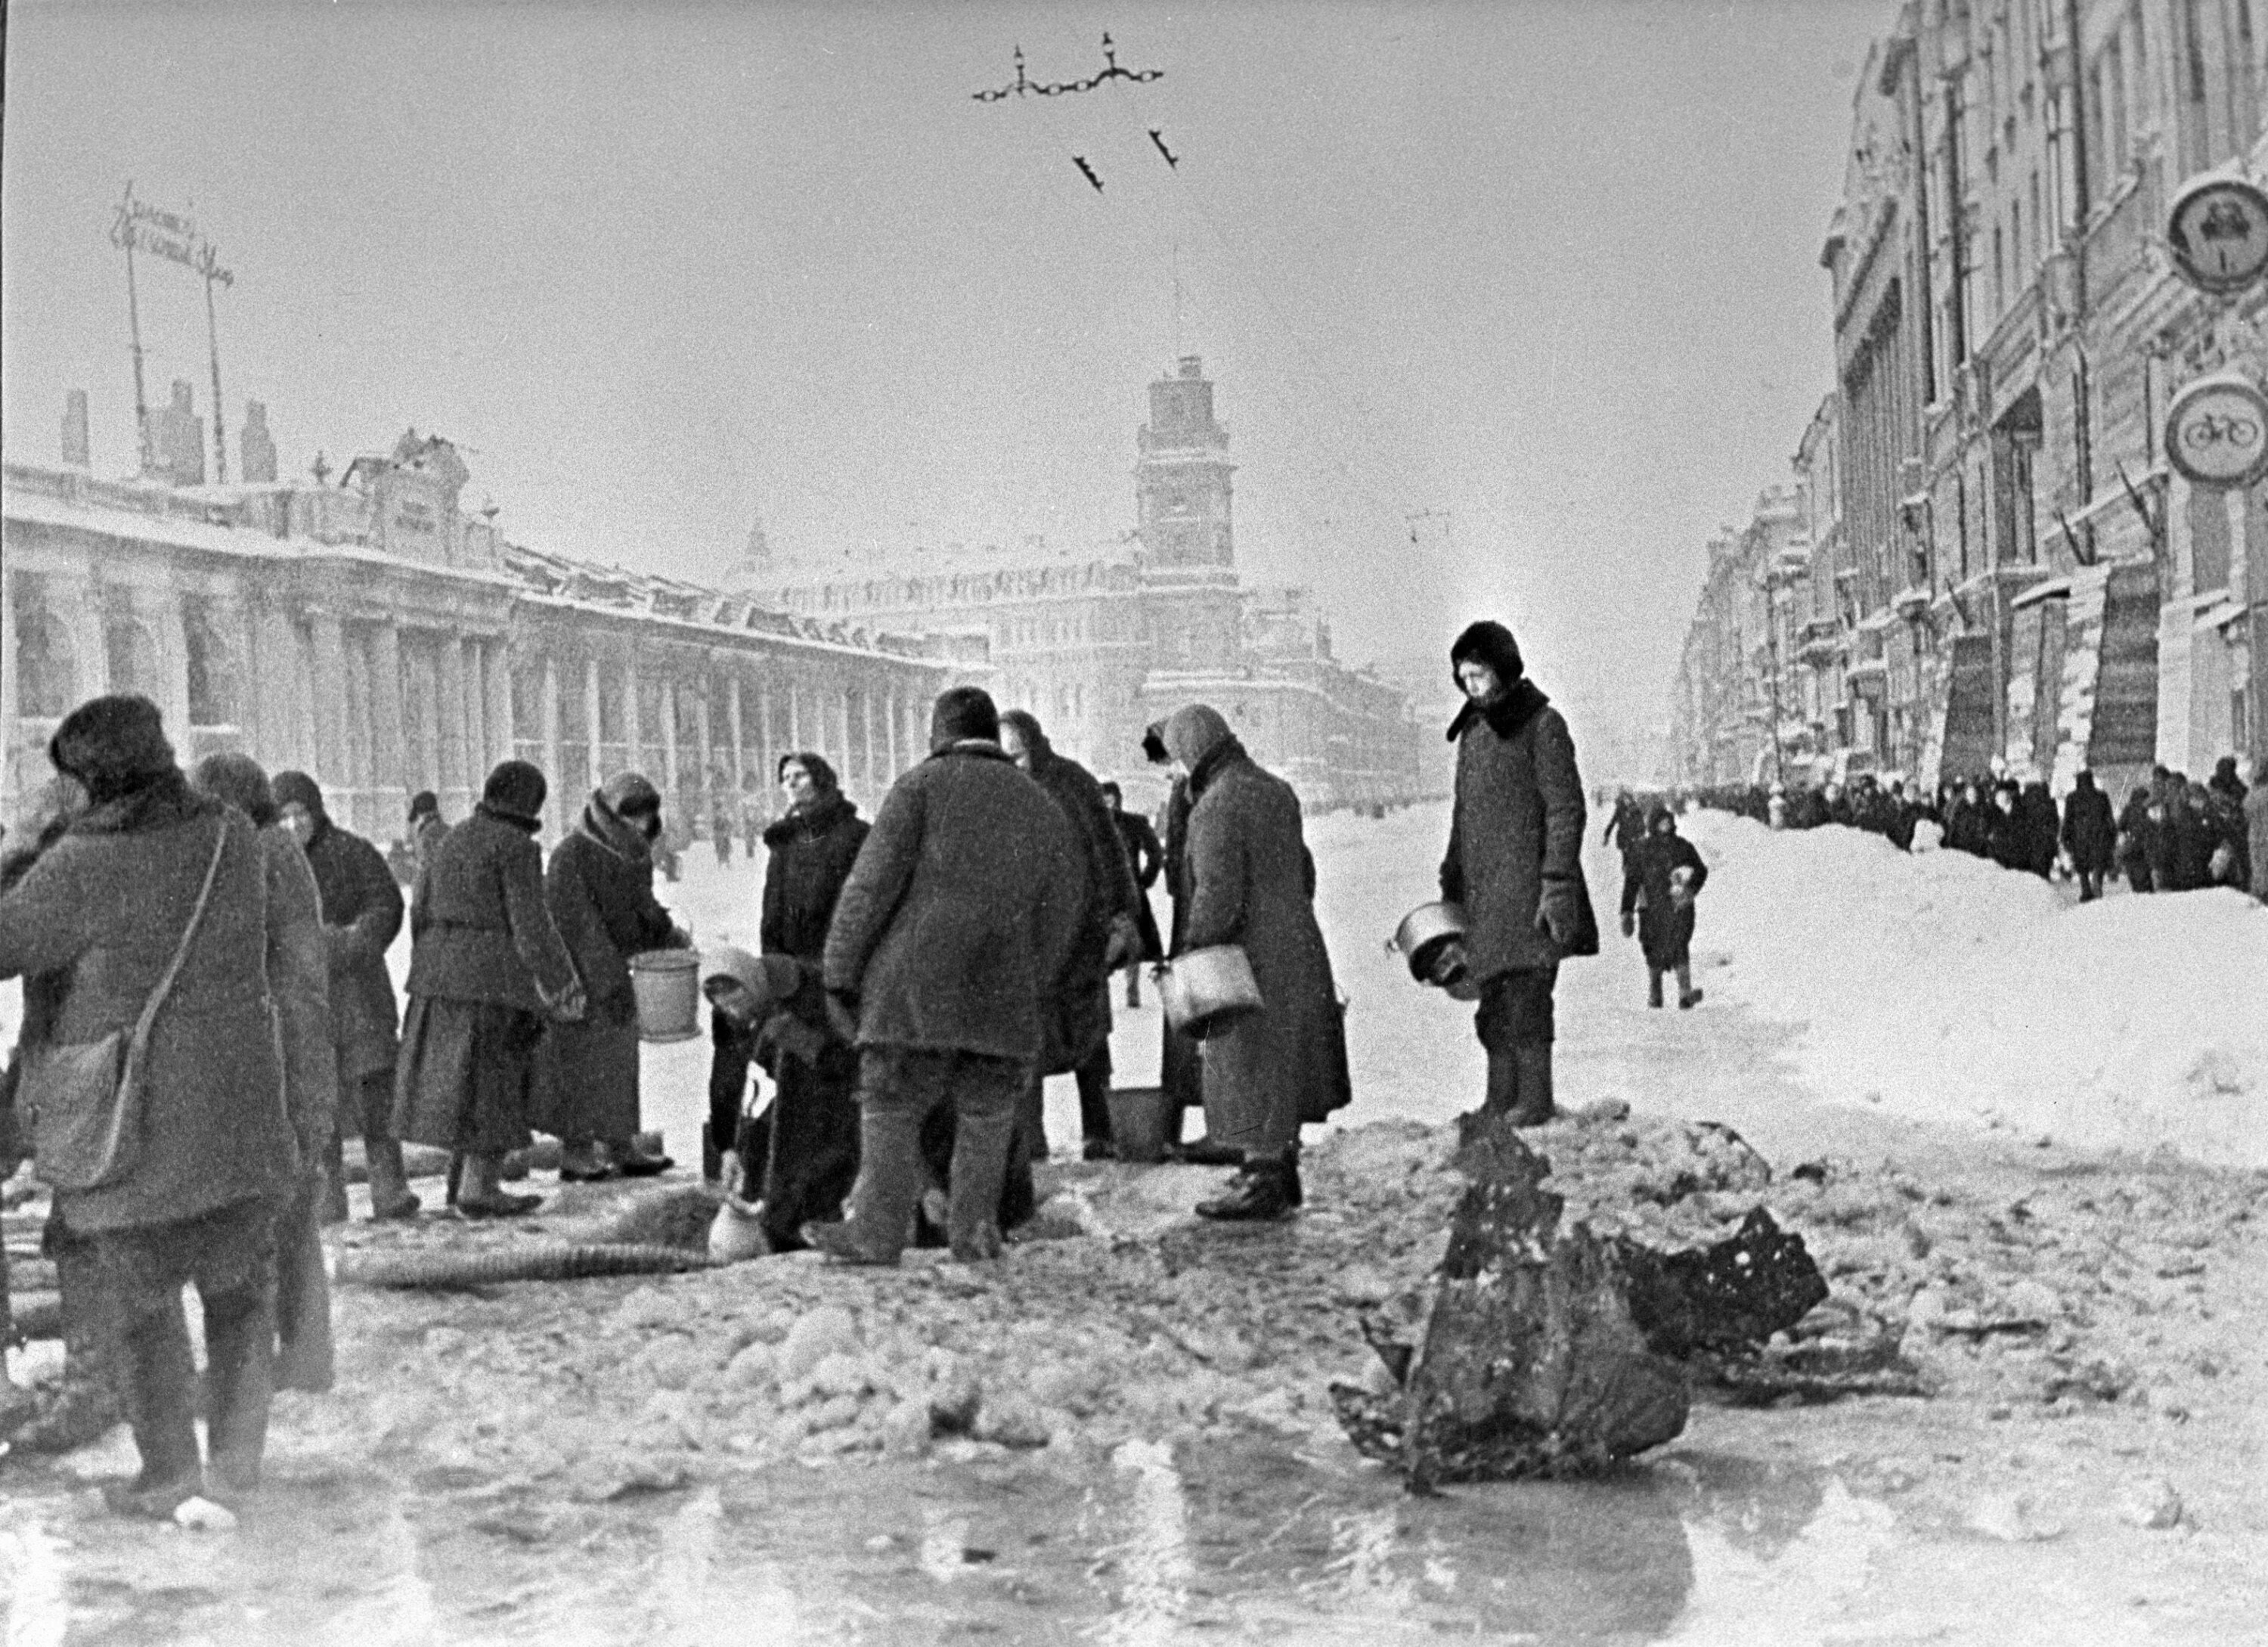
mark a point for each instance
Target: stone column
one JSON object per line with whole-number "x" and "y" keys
{"x": 892, "y": 715}
{"x": 794, "y": 712}
{"x": 735, "y": 725}
{"x": 328, "y": 762}
{"x": 702, "y": 741}
{"x": 457, "y": 795}
{"x": 171, "y": 622}
{"x": 387, "y": 763}
{"x": 590, "y": 698}
{"x": 495, "y": 672}
{"x": 772, "y": 749}
{"x": 669, "y": 739}
{"x": 554, "y": 804}
{"x": 867, "y": 733}
{"x": 271, "y": 676}
{"x": 843, "y": 719}
{"x": 632, "y": 737}
{"x": 11, "y": 777}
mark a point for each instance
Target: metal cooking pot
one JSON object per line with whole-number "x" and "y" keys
{"x": 1422, "y": 934}
{"x": 1206, "y": 990}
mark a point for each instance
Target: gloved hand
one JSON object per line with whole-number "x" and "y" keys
{"x": 1629, "y": 924}
{"x": 568, "y": 1006}
{"x": 1559, "y": 914}
{"x": 1125, "y": 943}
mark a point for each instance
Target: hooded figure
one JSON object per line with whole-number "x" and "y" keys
{"x": 487, "y": 965}
{"x": 599, "y": 889}
{"x": 1251, "y": 883}
{"x": 362, "y": 917}
{"x": 150, "y": 871}
{"x": 1659, "y": 880}
{"x": 1515, "y": 864}
{"x": 1078, "y": 1001}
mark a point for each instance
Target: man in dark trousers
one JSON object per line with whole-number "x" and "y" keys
{"x": 2090, "y": 835}
{"x": 1516, "y": 863}
{"x": 957, "y": 918}
{"x": 362, "y": 917}
{"x": 1147, "y": 859}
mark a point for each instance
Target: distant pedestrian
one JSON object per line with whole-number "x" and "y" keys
{"x": 1252, "y": 886}
{"x": 1659, "y": 881}
{"x": 599, "y": 887}
{"x": 426, "y": 826}
{"x": 2193, "y": 839}
{"x": 2036, "y": 826}
{"x": 2006, "y": 842}
{"x": 1515, "y": 863}
{"x": 951, "y": 931}
{"x": 1078, "y": 1020}
{"x": 2224, "y": 782}
{"x": 362, "y": 911}
{"x": 720, "y": 834}
{"x": 2090, "y": 835}
{"x": 487, "y": 967}
{"x": 1147, "y": 859}
{"x": 1969, "y": 822}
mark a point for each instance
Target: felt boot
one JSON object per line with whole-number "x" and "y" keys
{"x": 390, "y": 1194}
{"x": 1534, "y": 1107}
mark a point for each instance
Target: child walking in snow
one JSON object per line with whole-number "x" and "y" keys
{"x": 1659, "y": 880}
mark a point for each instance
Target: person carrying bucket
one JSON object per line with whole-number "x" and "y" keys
{"x": 1659, "y": 880}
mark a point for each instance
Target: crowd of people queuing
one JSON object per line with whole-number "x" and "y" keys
{"x": 2171, "y": 834}
{"x": 209, "y": 1014}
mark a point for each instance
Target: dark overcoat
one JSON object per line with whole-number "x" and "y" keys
{"x": 1078, "y": 1004}
{"x": 298, "y": 983}
{"x": 811, "y": 852}
{"x": 362, "y": 917}
{"x": 1249, "y": 886}
{"x": 1665, "y": 931}
{"x": 480, "y": 928}
{"x": 960, "y": 911}
{"x": 600, "y": 889}
{"x": 105, "y": 907}
{"x": 2090, "y": 834}
{"x": 1516, "y": 830}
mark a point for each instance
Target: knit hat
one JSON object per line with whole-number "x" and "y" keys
{"x": 626, "y": 795}
{"x": 1490, "y": 643}
{"x": 113, "y": 745}
{"x": 962, "y": 712}
{"x": 425, "y": 803}
{"x": 1195, "y": 731}
{"x": 1153, "y": 743}
{"x": 290, "y": 788}
{"x": 515, "y": 791}
{"x": 241, "y": 781}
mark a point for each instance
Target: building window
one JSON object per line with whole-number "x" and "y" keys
{"x": 133, "y": 658}
{"x": 212, "y": 675}
{"x": 46, "y": 669}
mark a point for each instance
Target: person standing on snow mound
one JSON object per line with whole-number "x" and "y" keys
{"x": 1659, "y": 880}
{"x": 1515, "y": 864}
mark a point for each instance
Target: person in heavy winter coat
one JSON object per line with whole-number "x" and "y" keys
{"x": 193, "y": 1201}
{"x": 1146, "y": 857}
{"x": 1078, "y": 1017}
{"x": 599, "y": 889}
{"x": 1180, "y": 1061}
{"x": 802, "y": 1163}
{"x": 2006, "y": 842}
{"x": 362, "y": 917}
{"x": 1251, "y": 886}
{"x": 426, "y": 826}
{"x": 2256, "y": 829}
{"x": 2036, "y": 826}
{"x": 1516, "y": 863}
{"x": 2137, "y": 850}
{"x": 954, "y": 924}
{"x": 2191, "y": 835}
{"x": 2090, "y": 835}
{"x": 2224, "y": 781}
{"x": 298, "y": 982}
{"x": 1659, "y": 881}
{"x": 1968, "y": 822}
{"x": 487, "y": 965}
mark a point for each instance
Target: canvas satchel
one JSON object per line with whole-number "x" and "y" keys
{"x": 85, "y": 1097}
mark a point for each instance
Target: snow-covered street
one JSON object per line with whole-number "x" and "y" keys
{"x": 1145, "y": 1450}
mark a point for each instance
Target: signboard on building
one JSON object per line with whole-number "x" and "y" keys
{"x": 2217, "y": 230}
{"x": 2217, "y": 431}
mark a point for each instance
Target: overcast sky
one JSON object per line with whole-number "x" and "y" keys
{"x": 1546, "y": 274}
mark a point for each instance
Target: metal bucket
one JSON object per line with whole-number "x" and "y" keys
{"x": 667, "y": 984}
{"x": 1425, "y": 932}
{"x": 1141, "y": 1121}
{"x": 1209, "y": 989}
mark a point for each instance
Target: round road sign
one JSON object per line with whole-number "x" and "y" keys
{"x": 2217, "y": 431}
{"x": 2218, "y": 231}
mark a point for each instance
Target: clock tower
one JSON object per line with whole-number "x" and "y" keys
{"x": 1182, "y": 495}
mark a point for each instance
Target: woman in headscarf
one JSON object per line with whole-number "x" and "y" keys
{"x": 1251, "y": 884}
{"x": 299, "y": 984}
{"x": 801, "y": 1160}
{"x": 599, "y": 889}
{"x": 155, "y": 888}
{"x": 487, "y": 965}
{"x": 1661, "y": 872}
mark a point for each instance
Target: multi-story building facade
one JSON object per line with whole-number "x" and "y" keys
{"x": 1100, "y": 643}
{"x": 2020, "y": 576}
{"x": 372, "y": 633}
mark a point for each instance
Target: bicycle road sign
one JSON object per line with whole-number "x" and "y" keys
{"x": 2217, "y": 431}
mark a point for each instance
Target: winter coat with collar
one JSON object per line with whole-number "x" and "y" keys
{"x": 1251, "y": 885}
{"x": 105, "y": 907}
{"x": 961, "y": 909}
{"x": 1078, "y": 1017}
{"x": 2090, "y": 834}
{"x": 1516, "y": 833}
{"x": 811, "y": 855}
{"x": 1665, "y": 930}
{"x": 300, "y": 959}
{"x": 480, "y": 928}
{"x": 599, "y": 887}
{"x": 362, "y": 916}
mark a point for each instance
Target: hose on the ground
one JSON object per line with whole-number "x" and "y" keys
{"x": 558, "y": 1261}
{"x": 36, "y": 1315}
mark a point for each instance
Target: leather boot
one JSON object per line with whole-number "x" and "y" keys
{"x": 633, "y": 1163}
{"x": 390, "y": 1194}
{"x": 1653, "y": 989}
{"x": 334, "y": 1207}
{"x": 585, "y": 1162}
{"x": 480, "y": 1192}
{"x": 1261, "y": 1192}
{"x": 1503, "y": 1085}
{"x": 1534, "y": 1106}
{"x": 240, "y": 1348}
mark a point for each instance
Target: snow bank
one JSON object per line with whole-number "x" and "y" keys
{"x": 1946, "y": 988}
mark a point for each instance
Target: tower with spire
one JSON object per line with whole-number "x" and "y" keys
{"x": 1182, "y": 498}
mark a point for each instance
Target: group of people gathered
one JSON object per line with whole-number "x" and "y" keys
{"x": 220, "y": 945}
{"x": 2171, "y": 834}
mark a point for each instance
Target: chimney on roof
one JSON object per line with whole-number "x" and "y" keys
{"x": 258, "y": 465}
{"x": 76, "y": 455}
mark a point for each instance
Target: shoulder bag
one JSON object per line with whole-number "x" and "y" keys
{"x": 86, "y": 1098}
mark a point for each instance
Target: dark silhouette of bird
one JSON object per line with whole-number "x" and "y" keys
{"x": 1158, "y": 137}
{"x": 1086, "y": 171}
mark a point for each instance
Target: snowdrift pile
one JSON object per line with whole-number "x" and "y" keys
{"x": 1946, "y": 988}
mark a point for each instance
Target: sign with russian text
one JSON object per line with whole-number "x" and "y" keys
{"x": 2217, "y": 431}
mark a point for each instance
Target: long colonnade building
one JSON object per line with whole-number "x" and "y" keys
{"x": 372, "y": 634}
